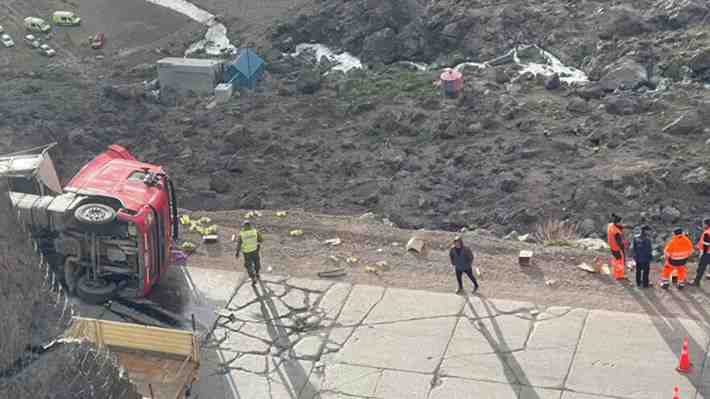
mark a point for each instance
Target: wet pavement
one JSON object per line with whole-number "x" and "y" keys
{"x": 297, "y": 338}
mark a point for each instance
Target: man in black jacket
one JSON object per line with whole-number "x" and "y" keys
{"x": 462, "y": 260}
{"x": 643, "y": 254}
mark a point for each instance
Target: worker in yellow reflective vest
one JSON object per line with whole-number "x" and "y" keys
{"x": 249, "y": 243}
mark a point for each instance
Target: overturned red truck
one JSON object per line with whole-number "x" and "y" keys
{"x": 109, "y": 229}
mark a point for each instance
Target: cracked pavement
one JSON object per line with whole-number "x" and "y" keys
{"x": 292, "y": 338}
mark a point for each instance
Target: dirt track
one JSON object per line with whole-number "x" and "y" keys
{"x": 502, "y": 277}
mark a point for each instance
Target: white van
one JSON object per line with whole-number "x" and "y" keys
{"x": 34, "y": 24}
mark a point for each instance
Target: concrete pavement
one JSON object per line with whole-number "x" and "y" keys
{"x": 296, "y": 338}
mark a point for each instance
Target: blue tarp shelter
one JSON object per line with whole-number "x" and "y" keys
{"x": 245, "y": 70}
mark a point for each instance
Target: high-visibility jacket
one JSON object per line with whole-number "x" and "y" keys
{"x": 679, "y": 248}
{"x": 250, "y": 240}
{"x": 703, "y": 244}
{"x": 612, "y": 231}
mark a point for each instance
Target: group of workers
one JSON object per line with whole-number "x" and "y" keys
{"x": 676, "y": 253}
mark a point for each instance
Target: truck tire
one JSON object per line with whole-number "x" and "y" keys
{"x": 95, "y": 214}
{"x": 95, "y": 292}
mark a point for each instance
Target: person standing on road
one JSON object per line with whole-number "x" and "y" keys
{"x": 643, "y": 254}
{"x": 462, "y": 261}
{"x": 676, "y": 255}
{"x": 703, "y": 247}
{"x": 617, "y": 244}
{"x": 249, "y": 242}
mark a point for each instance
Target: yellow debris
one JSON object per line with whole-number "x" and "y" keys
{"x": 351, "y": 260}
{"x": 281, "y": 214}
{"x": 188, "y": 247}
{"x": 295, "y": 233}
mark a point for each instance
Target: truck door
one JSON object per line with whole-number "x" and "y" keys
{"x": 157, "y": 247}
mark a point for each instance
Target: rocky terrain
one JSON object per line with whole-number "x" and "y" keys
{"x": 513, "y": 151}
{"x": 35, "y": 313}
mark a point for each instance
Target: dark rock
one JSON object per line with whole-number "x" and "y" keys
{"x": 220, "y": 183}
{"x": 624, "y": 74}
{"x": 501, "y": 76}
{"x": 309, "y": 81}
{"x": 624, "y": 22}
{"x": 677, "y": 14}
{"x": 579, "y": 106}
{"x": 622, "y": 105}
{"x": 700, "y": 61}
{"x": 589, "y": 92}
{"x": 553, "y": 82}
{"x": 509, "y": 184}
{"x": 587, "y": 227}
{"x": 380, "y": 47}
{"x": 670, "y": 214}
{"x": 689, "y": 122}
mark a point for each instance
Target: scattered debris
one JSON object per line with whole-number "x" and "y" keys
{"x": 332, "y": 273}
{"x": 388, "y": 222}
{"x": 526, "y": 238}
{"x": 534, "y": 312}
{"x": 295, "y": 233}
{"x": 416, "y": 244}
{"x": 587, "y": 268}
{"x": 383, "y": 266}
{"x": 281, "y": 214}
{"x": 380, "y": 250}
{"x": 188, "y": 247}
{"x": 525, "y": 258}
{"x": 252, "y": 214}
{"x": 591, "y": 244}
{"x": 333, "y": 242}
{"x": 478, "y": 272}
{"x": 372, "y": 269}
{"x": 234, "y": 237}
{"x": 367, "y": 215}
{"x": 513, "y": 235}
{"x": 550, "y": 283}
{"x": 351, "y": 260}
{"x": 395, "y": 244}
{"x": 210, "y": 238}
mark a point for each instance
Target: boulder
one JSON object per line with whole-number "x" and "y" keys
{"x": 624, "y": 74}
{"x": 579, "y": 106}
{"x": 553, "y": 82}
{"x": 670, "y": 214}
{"x": 509, "y": 185}
{"x": 623, "y": 22}
{"x": 688, "y": 123}
{"x": 380, "y": 47}
{"x": 587, "y": 227}
{"x": 622, "y": 105}
{"x": 589, "y": 92}
{"x": 309, "y": 81}
{"x": 220, "y": 183}
{"x": 700, "y": 61}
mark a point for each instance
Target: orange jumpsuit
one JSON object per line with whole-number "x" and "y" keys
{"x": 618, "y": 257}
{"x": 676, "y": 255}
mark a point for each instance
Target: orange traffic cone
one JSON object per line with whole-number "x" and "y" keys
{"x": 684, "y": 363}
{"x": 676, "y": 395}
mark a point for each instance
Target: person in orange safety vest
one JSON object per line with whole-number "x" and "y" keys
{"x": 618, "y": 245}
{"x": 676, "y": 255}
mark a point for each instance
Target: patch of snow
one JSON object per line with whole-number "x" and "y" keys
{"x": 344, "y": 61}
{"x": 215, "y": 41}
{"x": 552, "y": 66}
{"x": 463, "y": 65}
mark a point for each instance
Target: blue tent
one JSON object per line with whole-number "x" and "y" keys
{"x": 245, "y": 70}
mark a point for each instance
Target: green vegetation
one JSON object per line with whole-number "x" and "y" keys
{"x": 387, "y": 85}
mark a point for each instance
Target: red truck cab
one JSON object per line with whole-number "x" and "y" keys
{"x": 112, "y": 226}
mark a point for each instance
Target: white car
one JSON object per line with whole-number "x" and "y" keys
{"x": 6, "y": 40}
{"x": 32, "y": 41}
{"x": 46, "y": 50}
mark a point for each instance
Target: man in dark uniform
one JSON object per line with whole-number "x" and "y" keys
{"x": 462, "y": 260}
{"x": 643, "y": 254}
{"x": 703, "y": 247}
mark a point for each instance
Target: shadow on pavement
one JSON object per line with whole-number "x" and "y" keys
{"x": 669, "y": 327}
{"x": 514, "y": 372}
{"x": 293, "y": 377}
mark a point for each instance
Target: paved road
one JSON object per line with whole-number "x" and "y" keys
{"x": 297, "y": 338}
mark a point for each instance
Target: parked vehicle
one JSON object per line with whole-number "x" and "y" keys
{"x": 7, "y": 40}
{"x": 47, "y": 51}
{"x": 97, "y": 41}
{"x": 113, "y": 224}
{"x": 32, "y": 41}
{"x": 34, "y": 24}
{"x": 65, "y": 18}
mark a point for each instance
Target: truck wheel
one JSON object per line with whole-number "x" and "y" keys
{"x": 95, "y": 292}
{"x": 95, "y": 214}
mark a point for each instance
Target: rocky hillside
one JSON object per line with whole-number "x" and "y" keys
{"x": 33, "y": 315}
{"x": 514, "y": 150}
